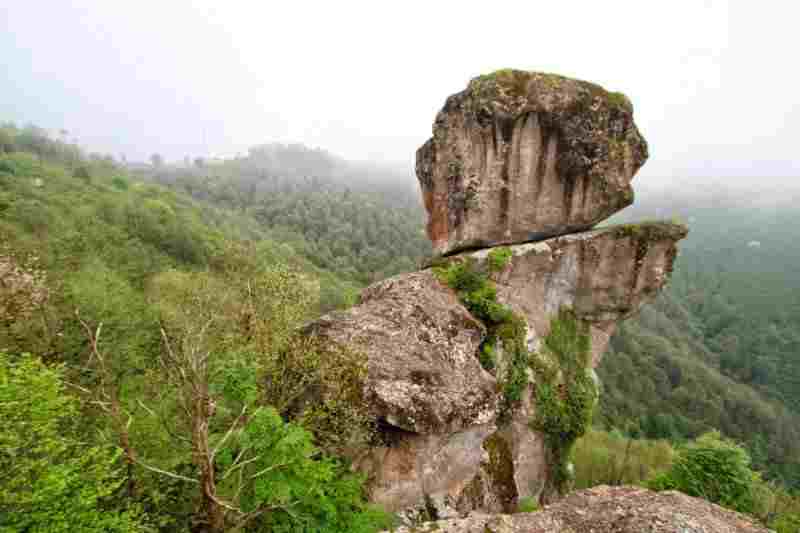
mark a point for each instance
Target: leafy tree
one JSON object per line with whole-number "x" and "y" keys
{"x": 53, "y": 480}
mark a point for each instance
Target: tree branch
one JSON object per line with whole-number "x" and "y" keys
{"x": 228, "y": 434}
{"x": 166, "y": 473}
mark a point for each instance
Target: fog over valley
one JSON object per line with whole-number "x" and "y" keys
{"x": 711, "y": 81}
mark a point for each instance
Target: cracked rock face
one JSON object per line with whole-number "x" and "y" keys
{"x": 605, "y": 510}
{"x": 520, "y": 156}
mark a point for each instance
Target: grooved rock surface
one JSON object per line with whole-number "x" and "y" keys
{"x": 607, "y": 510}
{"x": 520, "y": 156}
{"x": 444, "y": 451}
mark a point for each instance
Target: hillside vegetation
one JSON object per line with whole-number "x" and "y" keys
{"x": 115, "y": 278}
{"x": 160, "y": 317}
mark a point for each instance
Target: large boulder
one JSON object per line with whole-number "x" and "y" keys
{"x": 420, "y": 343}
{"x": 607, "y": 510}
{"x": 521, "y": 156}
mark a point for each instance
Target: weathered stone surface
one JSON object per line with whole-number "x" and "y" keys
{"x": 420, "y": 343}
{"x": 607, "y": 510}
{"x": 444, "y": 450}
{"x": 429, "y": 474}
{"x": 603, "y": 275}
{"x": 520, "y": 156}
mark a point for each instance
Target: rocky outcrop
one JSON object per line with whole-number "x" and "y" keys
{"x": 520, "y": 156}
{"x": 480, "y": 367}
{"x": 445, "y": 444}
{"x": 606, "y": 510}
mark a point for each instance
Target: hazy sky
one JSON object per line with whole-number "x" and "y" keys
{"x": 714, "y": 84}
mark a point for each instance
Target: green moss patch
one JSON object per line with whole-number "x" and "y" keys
{"x": 499, "y": 258}
{"x": 652, "y": 231}
{"x": 513, "y": 84}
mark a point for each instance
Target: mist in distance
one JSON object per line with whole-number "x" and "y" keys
{"x": 713, "y": 82}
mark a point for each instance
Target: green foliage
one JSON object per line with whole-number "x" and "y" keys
{"x": 53, "y": 480}
{"x": 120, "y": 182}
{"x": 303, "y": 492}
{"x": 499, "y": 258}
{"x": 360, "y": 222}
{"x": 82, "y": 172}
{"x": 527, "y": 505}
{"x": 713, "y": 468}
{"x": 565, "y": 392}
{"x": 786, "y": 523}
{"x": 611, "y": 458}
{"x": 718, "y": 348}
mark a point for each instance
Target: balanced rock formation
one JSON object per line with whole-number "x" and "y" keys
{"x": 480, "y": 367}
{"x": 520, "y": 156}
{"x": 607, "y": 509}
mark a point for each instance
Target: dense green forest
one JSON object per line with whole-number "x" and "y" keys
{"x": 361, "y": 221}
{"x": 163, "y": 357}
{"x": 114, "y": 275}
{"x": 720, "y": 348}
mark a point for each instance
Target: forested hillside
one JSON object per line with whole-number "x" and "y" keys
{"x": 721, "y": 347}
{"x": 94, "y": 253}
{"x": 362, "y": 221}
{"x": 153, "y": 321}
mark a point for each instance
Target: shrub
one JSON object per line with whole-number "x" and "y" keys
{"x": 53, "y": 480}
{"x": 303, "y": 490}
{"x": 527, "y": 505}
{"x": 119, "y": 182}
{"x": 610, "y": 458}
{"x": 499, "y": 258}
{"x": 715, "y": 469}
{"x": 82, "y": 172}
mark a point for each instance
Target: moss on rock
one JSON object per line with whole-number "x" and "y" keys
{"x": 565, "y": 394}
{"x": 505, "y": 328}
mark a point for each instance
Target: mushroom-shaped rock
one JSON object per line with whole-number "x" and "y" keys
{"x": 520, "y": 156}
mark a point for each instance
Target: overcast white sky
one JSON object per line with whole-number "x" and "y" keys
{"x": 715, "y": 84}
